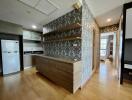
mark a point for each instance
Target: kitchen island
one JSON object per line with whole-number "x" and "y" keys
{"x": 64, "y": 72}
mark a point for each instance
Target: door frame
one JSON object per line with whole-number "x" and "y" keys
{"x": 125, "y": 7}
{"x": 93, "y": 53}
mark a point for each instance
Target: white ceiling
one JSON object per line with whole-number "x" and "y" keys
{"x": 104, "y": 9}
{"x": 43, "y": 6}
{"x": 32, "y": 12}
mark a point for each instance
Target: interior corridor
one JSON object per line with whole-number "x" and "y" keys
{"x": 31, "y": 86}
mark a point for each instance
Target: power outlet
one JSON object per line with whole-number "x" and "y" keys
{"x": 75, "y": 45}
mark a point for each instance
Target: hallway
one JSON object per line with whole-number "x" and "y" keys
{"x": 105, "y": 85}
{"x": 31, "y": 86}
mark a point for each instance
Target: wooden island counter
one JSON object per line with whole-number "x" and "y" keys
{"x": 64, "y": 72}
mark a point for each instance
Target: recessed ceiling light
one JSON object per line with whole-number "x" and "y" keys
{"x": 108, "y": 20}
{"x": 34, "y": 26}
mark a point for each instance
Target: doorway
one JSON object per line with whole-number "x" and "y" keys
{"x": 107, "y": 51}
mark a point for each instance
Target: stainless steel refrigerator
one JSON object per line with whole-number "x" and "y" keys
{"x": 10, "y": 56}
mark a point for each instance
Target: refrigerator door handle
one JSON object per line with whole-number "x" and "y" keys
{"x": 15, "y": 51}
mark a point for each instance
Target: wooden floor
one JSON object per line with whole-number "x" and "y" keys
{"x": 31, "y": 86}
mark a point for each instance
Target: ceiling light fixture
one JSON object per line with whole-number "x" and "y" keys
{"x": 108, "y": 20}
{"x": 34, "y": 26}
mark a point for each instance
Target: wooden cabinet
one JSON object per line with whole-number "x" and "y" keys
{"x": 64, "y": 73}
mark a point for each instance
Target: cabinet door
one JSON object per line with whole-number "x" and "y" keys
{"x": 27, "y": 61}
{"x": 36, "y": 36}
{"x": 26, "y": 34}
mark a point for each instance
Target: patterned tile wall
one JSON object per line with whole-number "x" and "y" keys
{"x": 111, "y": 28}
{"x": 64, "y": 49}
{"x": 89, "y": 27}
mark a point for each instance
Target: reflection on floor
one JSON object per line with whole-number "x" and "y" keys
{"x": 107, "y": 72}
{"x": 31, "y": 86}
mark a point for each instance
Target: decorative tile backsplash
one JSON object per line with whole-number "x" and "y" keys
{"x": 74, "y": 16}
{"x": 63, "y": 48}
{"x": 110, "y": 28}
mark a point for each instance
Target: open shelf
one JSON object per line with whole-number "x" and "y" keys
{"x": 29, "y": 40}
{"x": 72, "y": 37}
{"x": 65, "y": 28}
{"x": 33, "y": 52}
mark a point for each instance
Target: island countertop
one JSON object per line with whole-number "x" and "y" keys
{"x": 66, "y": 60}
{"x": 64, "y": 72}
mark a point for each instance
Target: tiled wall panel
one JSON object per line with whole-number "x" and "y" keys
{"x": 64, "y": 49}
{"x": 111, "y": 28}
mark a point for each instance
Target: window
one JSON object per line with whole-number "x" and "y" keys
{"x": 103, "y": 47}
{"x": 102, "y": 52}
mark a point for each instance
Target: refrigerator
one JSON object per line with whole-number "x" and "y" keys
{"x": 10, "y": 56}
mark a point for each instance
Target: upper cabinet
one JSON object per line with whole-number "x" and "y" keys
{"x": 30, "y": 35}
{"x": 26, "y": 34}
{"x": 32, "y": 41}
{"x": 35, "y": 36}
